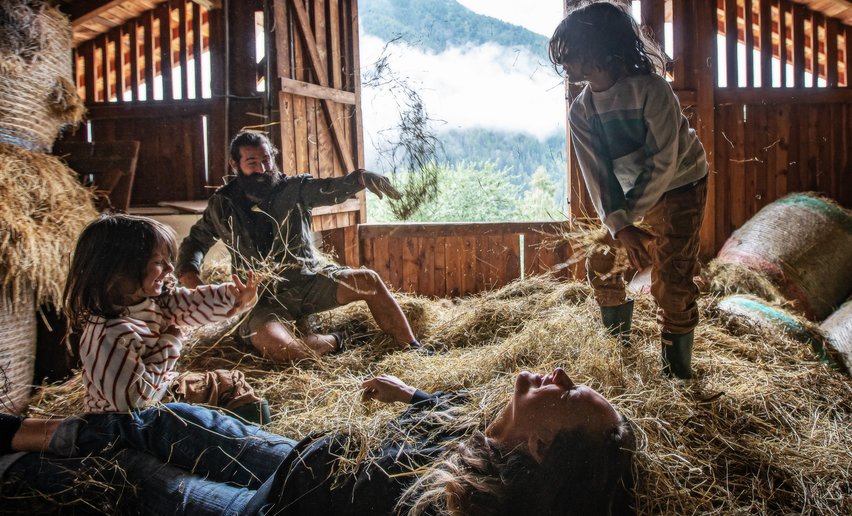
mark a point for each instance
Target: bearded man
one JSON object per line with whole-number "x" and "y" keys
{"x": 264, "y": 219}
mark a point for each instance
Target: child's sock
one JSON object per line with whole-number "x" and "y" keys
{"x": 9, "y": 425}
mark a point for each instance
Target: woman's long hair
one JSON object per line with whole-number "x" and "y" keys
{"x": 111, "y": 256}
{"x": 606, "y": 36}
{"x": 581, "y": 473}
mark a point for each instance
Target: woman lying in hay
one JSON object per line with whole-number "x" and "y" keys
{"x": 555, "y": 448}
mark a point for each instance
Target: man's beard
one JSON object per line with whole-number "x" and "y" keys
{"x": 258, "y": 186}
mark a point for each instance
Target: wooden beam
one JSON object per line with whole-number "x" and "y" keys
{"x": 799, "y": 13}
{"x": 748, "y": 29}
{"x": 307, "y": 89}
{"x": 322, "y": 78}
{"x": 831, "y": 32}
{"x": 82, "y": 11}
{"x": 731, "y": 40}
{"x": 164, "y": 14}
{"x": 148, "y": 49}
{"x": 455, "y": 229}
{"x": 183, "y": 43}
{"x": 133, "y": 36}
{"x": 783, "y": 96}
{"x": 197, "y": 46}
{"x": 766, "y": 43}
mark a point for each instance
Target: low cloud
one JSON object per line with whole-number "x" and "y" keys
{"x": 487, "y": 86}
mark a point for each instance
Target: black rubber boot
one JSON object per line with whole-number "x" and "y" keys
{"x": 254, "y": 413}
{"x": 677, "y": 354}
{"x": 618, "y": 321}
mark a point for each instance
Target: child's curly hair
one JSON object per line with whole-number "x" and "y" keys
{"x": 605, "y": 35}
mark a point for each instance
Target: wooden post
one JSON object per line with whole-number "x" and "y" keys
{"x": 704, "y": 71}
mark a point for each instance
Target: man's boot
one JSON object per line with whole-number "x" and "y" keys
{"x": 618, "y": 320}
{"x": 677, "y": 354}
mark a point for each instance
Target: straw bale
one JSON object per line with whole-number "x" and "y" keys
{"x": 808, "y": 257}
{"x": 838, "y": 331}
{"x": 43, "y": 209}
{"x": 725, "y": 279}
{"x": 765, "y": 428}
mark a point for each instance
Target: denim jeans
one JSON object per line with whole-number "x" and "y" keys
{"x": 177, "y": 459}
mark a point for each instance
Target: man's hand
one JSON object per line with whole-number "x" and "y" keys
{"x": 378, "y": 184}
{"x": 634, "y": 241}
{"x": 245, "y": 294}
{"x": 387, "y": 389}
{"x": 190, "y": 279}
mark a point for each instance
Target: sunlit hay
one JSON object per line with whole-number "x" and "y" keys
{"x": 724, "y": 279}
{"x": 44, "y": 209}
{"x": 765, "y": 428}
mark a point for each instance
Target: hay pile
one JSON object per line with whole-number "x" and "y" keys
{"x": 765, "y": 428}
{"x": 44, "y": 209}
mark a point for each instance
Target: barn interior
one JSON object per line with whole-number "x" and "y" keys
{"x": 765, "y": 426}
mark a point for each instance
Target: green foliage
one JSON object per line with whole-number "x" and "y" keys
{"x": 538, "y": 202}
{"x": 435, "y": 25}
{"x": 522, "y": 153}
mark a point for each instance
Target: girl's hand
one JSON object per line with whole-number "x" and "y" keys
{"x": 245, "y": 294}
{"x": 173, "y": 331}
{"x": 387, "y": 389}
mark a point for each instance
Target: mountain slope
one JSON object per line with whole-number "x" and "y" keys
{"x": 435, "y": 25}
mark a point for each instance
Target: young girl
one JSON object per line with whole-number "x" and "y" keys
{"x": 639, "y": 160}
{"x": 123, "y": 310}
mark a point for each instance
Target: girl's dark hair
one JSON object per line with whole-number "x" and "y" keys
{"x": 111, "y": 255}
{"x": 582, "y": 473}
{"x": 250, "y": 139}
{"x": 605, "y": 35}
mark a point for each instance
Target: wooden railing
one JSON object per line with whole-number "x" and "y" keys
{"x": 454, "y": 259}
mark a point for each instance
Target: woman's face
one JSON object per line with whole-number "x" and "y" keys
{"x": 543, "y": 405}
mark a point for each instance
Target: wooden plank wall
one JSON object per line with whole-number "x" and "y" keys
{"x": 450, "y": 260}
{"x": 316, "y": 45}
{"x": 773, "y": 137}
{"x": 116, "y": 75}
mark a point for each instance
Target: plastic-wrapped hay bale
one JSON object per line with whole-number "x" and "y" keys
{"x": 802, "y": 243}
{"x": 751, "y": 312}
{"x": 43, "y": 207}
{"x": 838, "y": 331}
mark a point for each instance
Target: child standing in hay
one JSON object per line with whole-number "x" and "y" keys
{"x": 125, "y": 321}
{"x": 640, "y": 161}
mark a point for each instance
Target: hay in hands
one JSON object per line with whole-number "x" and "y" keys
{"x": 764, "y": 429}
{"x": 44, "y": 209}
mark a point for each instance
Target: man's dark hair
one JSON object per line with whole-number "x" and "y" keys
{"x": 250, "y": 139}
